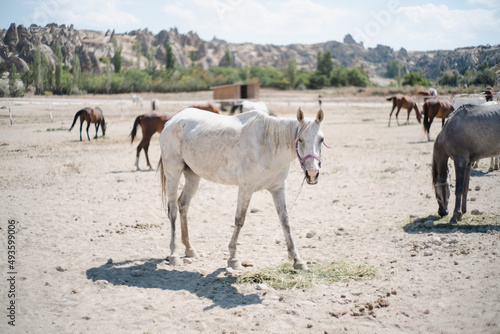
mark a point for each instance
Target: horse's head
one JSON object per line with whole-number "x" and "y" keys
{"x": 308, "y": 145}
{"x": 442, "y": 190}
{"x": 103, "y": 126}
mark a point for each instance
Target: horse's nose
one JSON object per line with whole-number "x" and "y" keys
{"x": 443, "y": 212}
{"x": 313, "y": 174}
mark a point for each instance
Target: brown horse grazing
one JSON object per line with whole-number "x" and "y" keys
{"x": 208, "y": 107}
{"x": 90, "y": 116}
{"x": 436, "y": 108}
{"x": 401, "y": 101}
{"x": 153, "y": 122}
{"x": 470, "y": 134}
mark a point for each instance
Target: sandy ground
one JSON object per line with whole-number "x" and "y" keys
{"x": 91, "y": 235}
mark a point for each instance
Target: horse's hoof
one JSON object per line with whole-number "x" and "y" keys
{"x": 174, "y": 260}
{"x": 300, "y": 266}
{"x": 191, "y": 253}
{"x": 234, "y": 264}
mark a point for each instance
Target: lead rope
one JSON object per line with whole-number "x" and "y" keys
{"x": 298, "y": 193}
{"x": 302, "y": 184}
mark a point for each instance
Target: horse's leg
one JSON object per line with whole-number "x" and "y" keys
{"x": 192, "y": 181}
{"x": 408, "y": 117}
{"x": 431, "y": 118}
{"x": 146, "y": 148}
{"x": 81, "y": 125}
{"x": 390, "y": 115}
{"x": 279, "y": 199}
{"x": 96, "y": 129}
{"x": 493, "y": 164}
{"x": 88, "y": 126}
{"x": 244, "y": 197}
{"x": 146, "y": 138}
{"x": 172, "y": 174}
{"x": 460, "y": 171}
{"x": 466, "y": 186}
{"x": 397, "y": 113}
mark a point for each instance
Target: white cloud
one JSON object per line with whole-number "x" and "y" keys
{"x": 438, "y": 27}
{"x": 90, "y": 13}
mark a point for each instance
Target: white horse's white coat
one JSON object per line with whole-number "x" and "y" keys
{"x": 251, "y": 150}
{"x": 247, "y": 106}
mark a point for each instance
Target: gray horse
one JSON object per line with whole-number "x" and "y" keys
{"x": 471, "y": 133}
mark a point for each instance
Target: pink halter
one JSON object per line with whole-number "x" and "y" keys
{"x": 309, "y": 156}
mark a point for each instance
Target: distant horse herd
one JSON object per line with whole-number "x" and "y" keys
{"x": 194, "y": 143}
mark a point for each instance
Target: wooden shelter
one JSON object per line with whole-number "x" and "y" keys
{"x": 228, "y": 95}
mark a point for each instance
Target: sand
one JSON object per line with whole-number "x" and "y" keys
{"x": 91, "y": 236}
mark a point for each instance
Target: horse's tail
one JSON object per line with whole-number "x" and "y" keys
{"x": 425, "y": 110}
{"x": 393, "y": 99}
{"x": 236, "y": 106}
{"x": 163, "y": 183}
{"x": 78, "y": 113}
{"x": 419, "y": 116}
{"x": 134, "y": 127}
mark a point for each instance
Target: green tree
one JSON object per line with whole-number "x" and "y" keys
{"x": 117, "y": 59}
{"x": 395, "y": 69}
{"x": 317, "y": 80}
{"x": 58, "y": 54}
{"x": 77, "y": 69}
{"x": 39, "y": 68}
{"x": 192, "y": 56}
{"x": 358, "y": 77}
{"x": 13, "y": 77}
{"x": 138, "y": 52}
{"x": 415, "y": 78}
{"x": 227, "y": 58}
{"x": 170, "y": 61}
{"x": 450, "y": 78}
{"x": 325, "y": 63}
{"x": 486, "y": 77}
{"x": 291, "y": 71}
{"x": 151, "y": 66}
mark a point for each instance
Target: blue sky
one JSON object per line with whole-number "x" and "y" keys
{"x": 414, "y": 25}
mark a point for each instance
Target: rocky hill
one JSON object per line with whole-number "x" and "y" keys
{"x": 18, "y": 43}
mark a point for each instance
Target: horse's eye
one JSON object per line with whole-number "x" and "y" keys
{"x": 300, "y": 140}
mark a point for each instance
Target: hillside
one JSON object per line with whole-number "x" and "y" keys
{"x": 18, "y": 43}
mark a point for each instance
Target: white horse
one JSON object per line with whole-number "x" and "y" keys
{"x": 247, "y": 105}
{"x": 137, "y": 99}
{"x": 251, "y": 150}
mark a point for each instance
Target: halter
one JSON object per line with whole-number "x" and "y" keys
{"x": 309, "y": 156}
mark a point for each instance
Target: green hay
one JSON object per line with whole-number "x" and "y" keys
{"x": 284, "y": 277}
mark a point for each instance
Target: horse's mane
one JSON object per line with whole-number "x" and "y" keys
{"x": 277, "y": 131}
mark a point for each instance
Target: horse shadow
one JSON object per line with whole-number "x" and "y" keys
{"x": 153, "y": 274}
{"x": 131, "y": 171}
{"x": 424, "y": 225}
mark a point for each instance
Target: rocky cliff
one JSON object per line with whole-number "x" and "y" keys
{"x": 18, "y": 44}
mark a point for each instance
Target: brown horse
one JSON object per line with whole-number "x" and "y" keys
{"x": 436, "y": 108}
{"x": 401, "y": 101}
{"x": 90, "y": 116}
{"x": 208, "y": 107}
{"x": 153, "y": 122}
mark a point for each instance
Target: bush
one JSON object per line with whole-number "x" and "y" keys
{"x": 415, "y": 79}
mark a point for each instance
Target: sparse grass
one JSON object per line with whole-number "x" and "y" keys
{"x": 284, "y": 277}
{"x": 478, "y": 222}
{"x": 57, "y": 129}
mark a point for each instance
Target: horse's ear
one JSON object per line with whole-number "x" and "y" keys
{"x": 320, "y": 116}
{"x": 300, "y": 115}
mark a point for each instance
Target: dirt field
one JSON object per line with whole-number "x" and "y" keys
{"x": 91, "y": 234}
